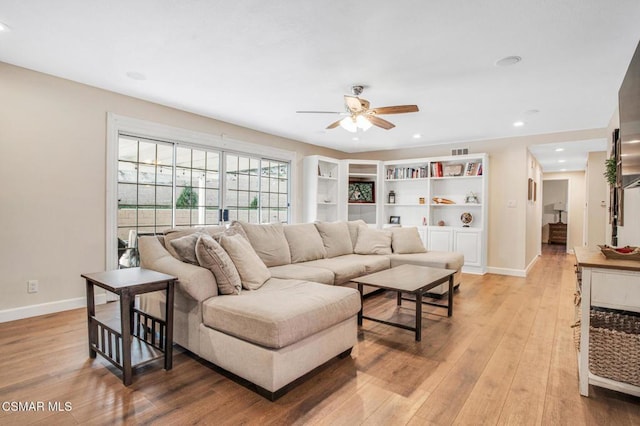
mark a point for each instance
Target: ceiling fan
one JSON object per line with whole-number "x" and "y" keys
{"x": 360, "y": 116}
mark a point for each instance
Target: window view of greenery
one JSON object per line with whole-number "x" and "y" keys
{"x": 163, "y": 185}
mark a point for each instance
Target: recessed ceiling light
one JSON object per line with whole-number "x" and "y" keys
{"x": 134, "y": 75}
{"x": 518, "y": 124}
{"x": 508, "y": 61}
{"x": 355, "y": 138}
{"x": 563, "y": 170}
{"x": 4, "y": 27}
{"x": 417, "y": 136}
{"x": 559, "y": 149}
{"x": 562, "y": 161}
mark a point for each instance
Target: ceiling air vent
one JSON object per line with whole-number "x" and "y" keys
{"x": 460, "y": 151}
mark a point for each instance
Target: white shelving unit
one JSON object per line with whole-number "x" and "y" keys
{"x": 321, "y": 183}
{"x": 415, "y": 183}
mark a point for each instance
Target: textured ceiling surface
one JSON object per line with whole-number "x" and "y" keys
{"x": 255, "y": 63}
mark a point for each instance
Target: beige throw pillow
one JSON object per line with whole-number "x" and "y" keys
{"x": 269, "y": 243}
{"x": 353, "y": 230}
{"x": 212, "y": 256}
{"x": 406, "y": 240}
{"x": 372, "y": 241}
{"x": 335, "y": 237}
{"x": 305, "y": 243}
{"x": 252, "y": 270}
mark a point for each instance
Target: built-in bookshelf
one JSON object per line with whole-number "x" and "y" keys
{"x": 445, "y": 197}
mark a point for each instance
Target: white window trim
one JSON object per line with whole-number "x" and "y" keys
{"x": 117, "y": 124}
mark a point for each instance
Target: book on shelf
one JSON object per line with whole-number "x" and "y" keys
{"x": 436, "y": 169}
{"x": 406, "y": 173}
{"x": 473, "y": 168}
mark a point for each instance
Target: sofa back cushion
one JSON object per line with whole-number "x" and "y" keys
{"x": 252, "y": 270}
{"x": 304, "y": 242}
{"x": 269, "y": 242}
{"x": 212, "y": 256}
{"x": 335, "y": 237}
{"x": 373, "y": 241}
{"x": 406, "y": 240}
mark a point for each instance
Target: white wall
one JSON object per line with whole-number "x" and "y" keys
{"x": 52, "y": 202}
{"x": 576, "y": 206}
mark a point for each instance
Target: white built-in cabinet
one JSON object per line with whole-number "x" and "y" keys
{"x": 415, "y": 183}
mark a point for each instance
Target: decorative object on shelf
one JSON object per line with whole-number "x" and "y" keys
{"x": 621, "y": 253}
{"x": 466, "y": 218}
{"x": 471, "y": 198}
{"x": 394, "y": 220}
{"x": 441, "y": 223}
{"x": 392, "y": 197}
{"x": 327, "y": 200}
{"x": 453, "y": 170}
{"x": 421, "y": 200}
{"x": 439, "y": 200}
{"x": 424, "y": 221}
{"x": 362, "y": 192}
{"x": 559, "y": 207}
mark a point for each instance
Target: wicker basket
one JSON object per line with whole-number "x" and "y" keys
{"x": 614, "y": 346}
{"x": 611, "y": 253}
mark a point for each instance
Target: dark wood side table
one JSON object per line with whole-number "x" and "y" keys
{"x": 558, "y": 233}
{"x": 136, "y": 337}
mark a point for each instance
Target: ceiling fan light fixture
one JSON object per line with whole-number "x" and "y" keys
{"x": 349, "y": 124}
{"x": 363, "y": 123}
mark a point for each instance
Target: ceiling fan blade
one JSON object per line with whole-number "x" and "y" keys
{"x": 334, "y": 124}
{"x": 353, "y": 103}
{"x": 398, "y": 109}
{"x": 377, "y": 121}
{"x": 318, "y": 112}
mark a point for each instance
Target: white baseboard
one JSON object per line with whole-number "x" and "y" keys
{"x": 533, "y": 262}
{"x": 507, "y": 271}
{"x": 48, "y": 308}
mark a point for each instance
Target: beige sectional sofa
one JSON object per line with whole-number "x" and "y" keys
{"x": 295, "y": 311}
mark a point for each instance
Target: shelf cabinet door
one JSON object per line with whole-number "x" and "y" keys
{"x": 469, "y": 244}
{"x": 440, "y": 239}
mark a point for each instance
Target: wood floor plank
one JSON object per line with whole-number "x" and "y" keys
{"x": 506, "y": 356}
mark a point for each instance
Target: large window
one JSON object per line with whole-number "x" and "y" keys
{"x": 162, "y": 184}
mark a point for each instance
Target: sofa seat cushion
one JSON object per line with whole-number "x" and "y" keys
{"x": 345, "y": 268}
{"x": 282, "y": 312}
{"x": 435, "y": 259}
{"x": 372, "y": 262}
{"x": 300, "y": 272}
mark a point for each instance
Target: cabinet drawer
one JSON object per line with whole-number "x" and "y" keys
{"x": 616, "y": 290}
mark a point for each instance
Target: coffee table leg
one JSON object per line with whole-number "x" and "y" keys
{"x": 361, "y": 291}
{"x": 399, "y": 298}
{"x": 450, "y": 307}
{"x": 418, "y": 316}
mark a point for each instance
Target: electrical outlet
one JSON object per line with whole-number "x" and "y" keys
{"x": 32, "y": 286}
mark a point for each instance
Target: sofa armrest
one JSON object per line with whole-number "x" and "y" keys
{"x": 197, "y": 282}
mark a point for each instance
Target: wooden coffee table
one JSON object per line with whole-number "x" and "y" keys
{"x": 411, "y": 279}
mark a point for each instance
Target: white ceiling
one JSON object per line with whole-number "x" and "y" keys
{"x": 566, "y": 156}
{"x": 254, "y": 62}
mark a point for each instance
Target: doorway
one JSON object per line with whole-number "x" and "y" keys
{"x": 555, "y": 213}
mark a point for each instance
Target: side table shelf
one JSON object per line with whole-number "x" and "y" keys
{"x": 135, "y": 337}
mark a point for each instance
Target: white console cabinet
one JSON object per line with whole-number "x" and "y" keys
{"x": 604, "y": 283}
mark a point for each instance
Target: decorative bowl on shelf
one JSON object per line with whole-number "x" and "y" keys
{"x": 621, "y": 253}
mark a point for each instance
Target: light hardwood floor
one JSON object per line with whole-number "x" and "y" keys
{"x": 505, "y": 357}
